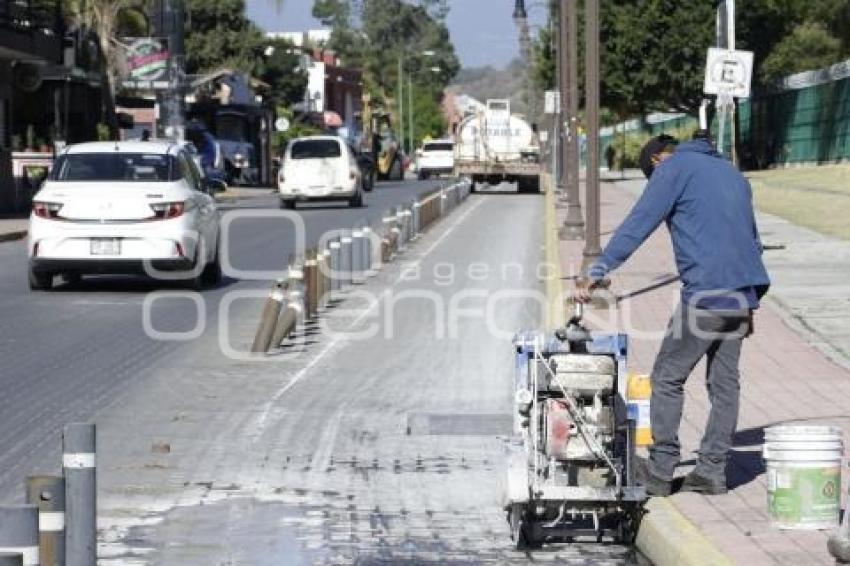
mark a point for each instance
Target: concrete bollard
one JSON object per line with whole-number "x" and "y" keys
{"x": 345, "y": 260}
{"x": 335, "y": 265}
{"x": 48, "y": 494}
{"x": 357, "y": 256}
{"x": 19, "y": 533}
{"x": 268, "y": 318}
{"x": 79, "y": 468}
{"x": 11, "y": 559}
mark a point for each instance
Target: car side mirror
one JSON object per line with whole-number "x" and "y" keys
{"x": 214, "y": 186}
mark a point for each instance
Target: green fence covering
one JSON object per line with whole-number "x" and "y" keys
{"x": 806, "y": 121}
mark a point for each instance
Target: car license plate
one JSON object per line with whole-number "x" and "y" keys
{"x": 105, "y": 246}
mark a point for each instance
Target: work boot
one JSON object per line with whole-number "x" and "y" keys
{"x": 654, "y": 485}
{"x": 701, "y": 484}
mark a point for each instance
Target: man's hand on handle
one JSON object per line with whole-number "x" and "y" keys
{"x": 585, "y": 287}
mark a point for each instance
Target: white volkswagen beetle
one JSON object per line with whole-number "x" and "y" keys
{"x": 124, "y": 207}
{"x": 319, "y": 168}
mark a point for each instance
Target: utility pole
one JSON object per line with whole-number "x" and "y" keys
{"x": 573, "y": 227}
{"x": 169, "y": 24}
{"x": 592, "y": 249}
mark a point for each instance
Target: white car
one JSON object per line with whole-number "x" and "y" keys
{"x": 435, "y": 158}
{"x": 124, "y": 207}
{"x": 319, "y": 168}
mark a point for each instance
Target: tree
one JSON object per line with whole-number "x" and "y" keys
{"x": 280, "y": 69}
{"x": 108, "y": 19}
{"x": 221, "y": 35}
{"x": 374, "y": 35}
{"x": 809, "y": 46}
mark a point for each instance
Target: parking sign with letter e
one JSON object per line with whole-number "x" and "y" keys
{"x": 728, "y": 72}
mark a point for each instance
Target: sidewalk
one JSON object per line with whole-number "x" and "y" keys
{"x": 784, "y": 378}
{"x": 13, "y": 229}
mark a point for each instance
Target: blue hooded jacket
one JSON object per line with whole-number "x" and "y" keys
{"x": 707, "y": 205}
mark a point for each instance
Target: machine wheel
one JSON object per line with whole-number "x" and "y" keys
{"x": 40, "y": 281}
{"x": 520, "y": 530}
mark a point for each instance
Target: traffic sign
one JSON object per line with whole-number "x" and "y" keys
{"x": 281, "y": 124}
{"x": 728, "y": 72}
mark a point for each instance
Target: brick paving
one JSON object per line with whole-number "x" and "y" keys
{"x": 783, "y": 379}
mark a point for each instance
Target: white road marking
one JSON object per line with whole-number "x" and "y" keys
{"x": 264, "y": 415}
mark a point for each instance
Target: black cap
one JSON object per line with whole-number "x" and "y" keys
{"x": 654, "y": 146}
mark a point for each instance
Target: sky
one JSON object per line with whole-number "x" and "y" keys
{"x": 482, "y": 30}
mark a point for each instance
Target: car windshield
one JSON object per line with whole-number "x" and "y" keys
{"x": 315, "y": 149}
{"x": 438, "y": 147}
{"x": 124, "y": 167}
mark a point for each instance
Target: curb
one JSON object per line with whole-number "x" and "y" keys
{"x": 668, "y": 538}
{"x": 12, "y": 236}
{"x": 665, "y": 536}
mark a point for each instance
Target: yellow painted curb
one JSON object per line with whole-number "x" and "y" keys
{"x": 668, "y": 538}
{"x": 555, "y": 315}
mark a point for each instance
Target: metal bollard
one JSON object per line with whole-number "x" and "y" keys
{"x": 328, "y": 275}
{"x": 345, "y": 260}
{"x": 11, "y": 559}
{"x": 311, "y": 286}
{"x": 335, "y": 265}
{"x": 19, "y": 533}
{"x": 269, "y": 317}
{"x": 320, "y": 279}
{"x": 47, "y": 493}
{"x": 367, "y": 250}
{"x": 408, "y": 223}
{"x": 357, "y": 256}
{"x": 290, "y": 314}
{"x": 415, "y": 219}
{"x": 79, "y": 468}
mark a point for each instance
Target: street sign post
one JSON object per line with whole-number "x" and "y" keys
{"x": 728, "y": 72}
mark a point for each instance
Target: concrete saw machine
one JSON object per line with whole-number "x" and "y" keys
{"x": 572, "y": 475}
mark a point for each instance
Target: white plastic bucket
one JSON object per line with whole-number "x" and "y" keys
{"x": 803, "y": 466}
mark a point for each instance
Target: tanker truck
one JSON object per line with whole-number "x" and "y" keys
{"x": 494, "y": 146}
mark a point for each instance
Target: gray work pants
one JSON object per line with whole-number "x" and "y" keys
{"x": 692, "y": 334}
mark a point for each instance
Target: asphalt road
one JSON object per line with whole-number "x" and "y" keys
{"x": 67, "y": 354}
{"x": 377, "y": 437}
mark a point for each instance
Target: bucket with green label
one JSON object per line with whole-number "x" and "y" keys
{"x": 803, "y": 465}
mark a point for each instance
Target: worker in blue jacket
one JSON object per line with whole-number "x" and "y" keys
{"x": 706, "y": 204}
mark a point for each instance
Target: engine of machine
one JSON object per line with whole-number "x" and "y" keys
{"x": 577, "y": 387}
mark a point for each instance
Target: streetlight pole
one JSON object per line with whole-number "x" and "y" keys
{"x": 170, "y": 25}
{"x": 573, "y": 227}
{"x": 592, "y": 249}
{"x": 410, "y": 110}
{"x": 401, "y": 102}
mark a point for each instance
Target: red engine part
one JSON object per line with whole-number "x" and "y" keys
{"x": 558, "y": 429}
